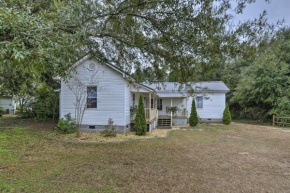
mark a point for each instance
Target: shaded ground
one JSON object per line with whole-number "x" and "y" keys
{"x": 235, "y": 158}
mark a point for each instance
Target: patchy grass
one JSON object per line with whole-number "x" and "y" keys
{"x": 97, "y": 137}
{"x": 204, "y": 127}
{"x": 233, "y": 158}
{"x": 253, "y": 122}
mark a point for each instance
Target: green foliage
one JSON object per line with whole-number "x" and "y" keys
{"x": 174, "y": 110}
{"x": 45, "y": 38}
{"x": 66, "y": 125}
{"x": 26, "y": 113}
{"x": 263, "y": 88}
{"x": 133, "y": 111}
{"x": 51, "y": 35}
{"x": 46, "y": 104}
{"x": 140, "y": 125}
{"x": 227, "y": 115}
{"x": 110, "y": 129}
{"x": 193, "y": 119}
{"x": 1, "y": 112}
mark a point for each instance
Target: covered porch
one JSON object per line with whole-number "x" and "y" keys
{"x": 150, "y": 105}
{"x": 172, "y": 109}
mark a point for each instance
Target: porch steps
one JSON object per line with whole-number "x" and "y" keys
{"x": 164, "y": 122}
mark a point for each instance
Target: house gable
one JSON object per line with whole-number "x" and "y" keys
{"x": 110, "y": 94}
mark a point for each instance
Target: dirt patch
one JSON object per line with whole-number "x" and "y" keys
{"x": 97, "y": 137}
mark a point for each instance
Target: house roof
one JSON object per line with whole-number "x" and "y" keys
{"x": 88, "y": 56}
{"x": 174, "y": 88}
{"x": 206, "y": 86}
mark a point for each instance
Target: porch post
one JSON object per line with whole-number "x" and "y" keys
{"x": 171, "y": 112}
{"x": 186, "y": 107}
{"x": 149, "y": 101}
{"x": 149, "y": 109}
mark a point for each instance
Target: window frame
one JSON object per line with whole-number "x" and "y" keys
{"x": 89, "y": 106}
{"x": 199, "y": 103}
{"x": 159, "y": 104}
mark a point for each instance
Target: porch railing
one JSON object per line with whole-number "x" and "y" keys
{"x": 149, "y": 114}
{"x": 180, "y": 113}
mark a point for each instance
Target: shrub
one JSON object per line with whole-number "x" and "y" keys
{"x": 26, "y": 113}
{"x": 140, "y": 125}
{"x": 227, "y": 115}
{"x": 110, "y": 129}
{"x": 1, "y": 112}
{"x": 193, "y": 119}
{"x": 46, "y": 103}
{"x": 133, "y": 111}
{"x": 66, "y": 125}
{"x": 173, "y": 110}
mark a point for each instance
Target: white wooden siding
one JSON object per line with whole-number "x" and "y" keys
{"x": 110, "y": 101}
{"x": 6, "y": 103}
{"x": 128, "y": 101}
{"x": 213, "y": 107}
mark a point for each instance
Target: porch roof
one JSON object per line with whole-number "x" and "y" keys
{"x": 172, "y": 95}
{"x": 206, "y": 86}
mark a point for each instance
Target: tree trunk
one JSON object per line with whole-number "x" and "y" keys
{"x": 78, "y": 133}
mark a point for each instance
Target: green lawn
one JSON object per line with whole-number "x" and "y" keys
{"x": 221, "y": 158}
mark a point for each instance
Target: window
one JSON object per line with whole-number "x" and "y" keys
{"x": 91, "y": 97}
{"x": 159, "y": 104}
{"x": 91, "y": 66}
{"x": 133, "y": 100}
{"x": 199, "y": 102}
{"x": 152, "y": 103}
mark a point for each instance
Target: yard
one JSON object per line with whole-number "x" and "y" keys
{"x": 235, "y": 158}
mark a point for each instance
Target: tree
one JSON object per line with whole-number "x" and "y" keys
{"x": 39, "y": 36}
{"x": 178, "y": 35}
{"x": 140, "y": 120}
{"x": 183, "y": 36}
{"x": 227, "y": 115}
{"x": 46, "y": 103}
{"x": 193, "y": 119}
{"x": 263, "y": 88}
{"x": 80, "y": 90}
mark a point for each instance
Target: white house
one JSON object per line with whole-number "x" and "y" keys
{"x": 7, "y": 103}
{"x": 115, "y": 94}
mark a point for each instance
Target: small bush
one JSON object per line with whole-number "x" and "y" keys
{"x": 227, "y": 115}
{"x": 193, "y": 119}
{"x": 110, "y": 129}
{"x": 1, "y": 112}
{"x": 66, "y": 125}
{"x": 27, "y": 113}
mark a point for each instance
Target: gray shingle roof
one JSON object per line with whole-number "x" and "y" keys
{"x": 207, "y": 86}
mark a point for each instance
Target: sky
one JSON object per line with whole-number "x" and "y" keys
{"x": 276, "y": 10}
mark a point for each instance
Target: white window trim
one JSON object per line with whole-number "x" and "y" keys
{"x": 95, "y": 108}
{"x": 196, "y": 102}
